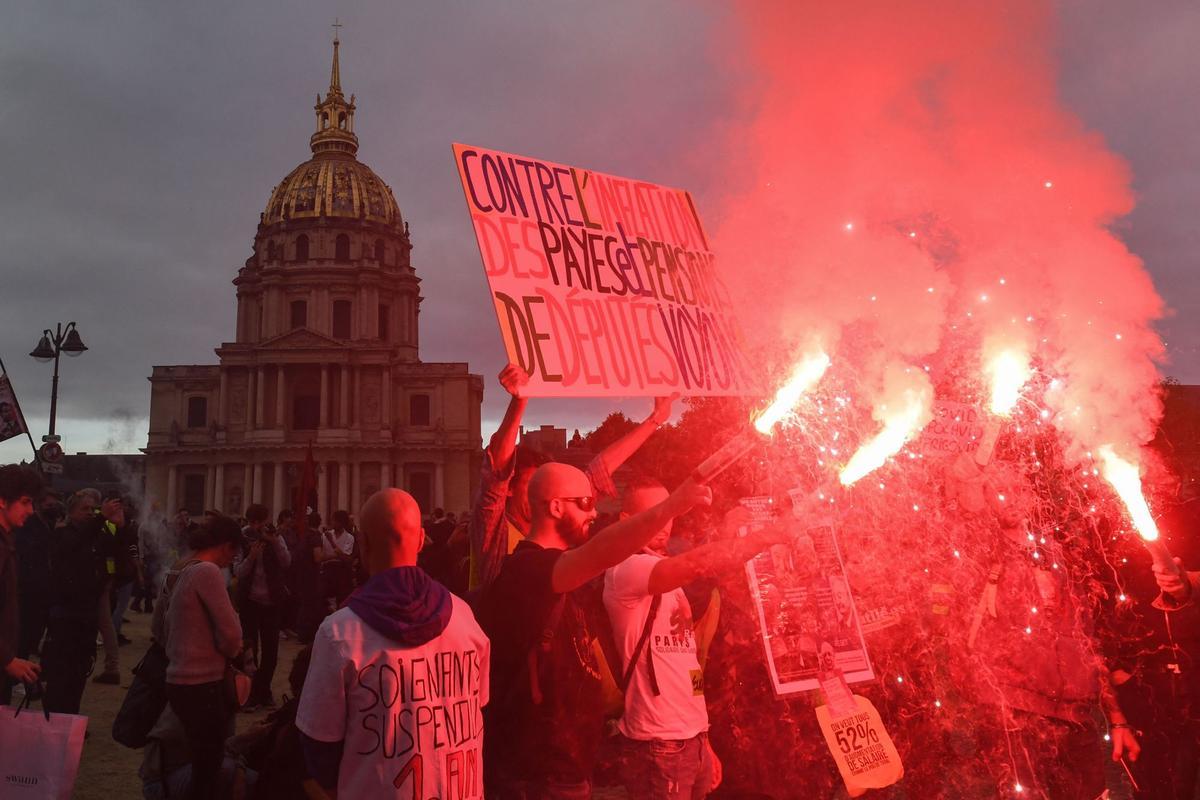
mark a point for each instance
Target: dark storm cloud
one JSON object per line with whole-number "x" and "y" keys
{"x": 140, "y": 143}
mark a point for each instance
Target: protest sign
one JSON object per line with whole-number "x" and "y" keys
{"x": 603, "y": 286}
{"x": 11, "y": 422}
{"x": 955, "y": 428}
{"x": 865, "y": 755}
{"x": 805, "y": 609}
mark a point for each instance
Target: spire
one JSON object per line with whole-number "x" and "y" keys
{"x": 335, "y": 74}
{"x": 335, "y": 115}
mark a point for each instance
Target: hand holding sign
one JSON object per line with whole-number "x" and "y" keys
{"x": 514, "y": 379}
{"x": 662, "y": 408}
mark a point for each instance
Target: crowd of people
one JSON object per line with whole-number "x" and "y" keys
{"x": 524, "y": 649}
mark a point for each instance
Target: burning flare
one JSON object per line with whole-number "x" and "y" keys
{"x": 1124, "y": 477}
{"x": 805, "y": 375}
{"x": 899, "y": 426}
{"x": 1009, "y": 371}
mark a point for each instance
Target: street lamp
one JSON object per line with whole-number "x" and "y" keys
{"x": 54, "y": 344}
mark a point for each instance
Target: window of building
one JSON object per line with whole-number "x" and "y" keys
{"x": 193, "y": 494}
{"x": 341, "y": 247}
{"x": 420, "y": 486}
{"x": 342, "y": 121}
{"x": 302, "y": 248}
{"x": 418, "y": 409}
{"x": 379, "y": 250}
{"x": 270, "y": 251}
{"x": 306, "y": 412}
{"x": 341, "y": 319}
{"x": 385, "y": 319}
{"x": 197, "y": 412}
{"x": 299, "y": 314}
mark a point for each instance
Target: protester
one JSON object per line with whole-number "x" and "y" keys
{"x": 128, "y": 572}
{"x": 1039, "y": 687}
{"x": 333, "y": 553}
{"x": 33, "y": 574}
{"x": 501, "y": 515}
{"x": 79, "y": 563}
{"x": 113, "y": 542}
{"x": 18, "y": 487}
{"x": 666, "y": 752}
{"x": 392, "y": 702}
{"x": 545, "y": 723}
{"x": 151, "y": 539}
{"x": 262, "y": 596}
{"x": 166, "y": 769}
{"x": 199, "y": 628}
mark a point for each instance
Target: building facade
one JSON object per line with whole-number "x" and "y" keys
{"x": 325, "y": 357}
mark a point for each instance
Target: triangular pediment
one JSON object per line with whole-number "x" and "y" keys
{"x": 300, "y": 339}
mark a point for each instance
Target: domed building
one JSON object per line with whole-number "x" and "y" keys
{"x": 326, "y": 355}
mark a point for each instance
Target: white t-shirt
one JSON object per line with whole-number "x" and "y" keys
{"x": 406, "y": 713}
{"x": 679, "y": 712}
{"x": 344, "y": 542}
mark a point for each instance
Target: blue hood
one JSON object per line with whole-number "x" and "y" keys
{"x": 404, "y": 604}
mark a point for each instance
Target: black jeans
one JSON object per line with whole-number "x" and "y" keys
{"x": 260, "y": 632}
{"x": 67, "y": 660}
{"x": 205, "y": 714}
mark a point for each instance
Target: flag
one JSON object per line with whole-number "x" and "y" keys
{"x": 12, "y": 421}
{"x": 303, "y": 493}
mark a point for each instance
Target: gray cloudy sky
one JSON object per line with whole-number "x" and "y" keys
{"x": 140, "y": 141}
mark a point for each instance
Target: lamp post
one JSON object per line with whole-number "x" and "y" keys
{"x": 50, "y": 348}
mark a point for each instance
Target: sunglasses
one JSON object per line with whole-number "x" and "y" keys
{"x": 585, "y": 503}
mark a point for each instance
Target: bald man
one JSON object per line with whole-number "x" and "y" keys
{"x": 393, "y": 702}
{"x": 660, "y": 670}
{"x": 545, "y": 728}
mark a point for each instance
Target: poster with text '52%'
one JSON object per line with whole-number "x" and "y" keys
{"x": 603, "y": 286}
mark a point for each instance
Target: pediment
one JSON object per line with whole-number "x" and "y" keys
{"x": 301, "y": 339}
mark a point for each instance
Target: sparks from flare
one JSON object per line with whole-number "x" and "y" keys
{"x": 1008, "y": 372}
{"x": 805, "y": 375}
{"x": 898, "y": 428}
{"x": 1125, "y": 480}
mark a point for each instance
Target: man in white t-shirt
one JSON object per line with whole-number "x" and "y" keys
{"x": 392, "y": 705}
{"x": 666, "y": 753}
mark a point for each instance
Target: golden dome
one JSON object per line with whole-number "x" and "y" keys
{"x": 333, "y": 183}
{"x": 332, "y": 186}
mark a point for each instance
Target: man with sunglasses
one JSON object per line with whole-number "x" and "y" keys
{"x": 545, "y": 720}
{"x": 501, "y": 514}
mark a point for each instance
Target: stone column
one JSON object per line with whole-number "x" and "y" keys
{"x": 385, "y": 474}
{"x": 223, "y": 399}
{"x": 357, "y": 418}
{"x": 344, "y": 411}
{"x": 251, "y": 394}
{"x": 439, "y": 499}
{"x": 277, "y": 489}
{"x": 356, "y": 489}
{"x": 343, "y": 498}
{"x": 172, "y": 491}
{"x": 323, "y": 488}
{"x": 325, "y": 419}
{"x": 385, "y": 397}
{"x": 261, "y": 386}
{"x": 219, "y": 488}
{"x": 256, "y": 484}
{"x": 209, "y": 475}
{"x": 280, "y": 396}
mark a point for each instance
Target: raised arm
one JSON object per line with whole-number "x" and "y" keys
{"x": 504, "y": 441}
{"x": 619, "y": 451}
{"x": 619, "y": 541}
{"x": 713, "y": 558}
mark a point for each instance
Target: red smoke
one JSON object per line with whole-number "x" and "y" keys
{"x": 908, "y": 182}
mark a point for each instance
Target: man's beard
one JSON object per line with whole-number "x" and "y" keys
{"x": 575, "y": 535}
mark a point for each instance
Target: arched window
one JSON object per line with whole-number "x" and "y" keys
{"x": 324, "y": 120}
{"x": 341, "y": 247}
{"x": 342, "y": 121}
{"x": 271, "y": 251}
{"x": 302, "y": 248}
{"x": 379, "y": 250}
{"x": 299, "y": 314}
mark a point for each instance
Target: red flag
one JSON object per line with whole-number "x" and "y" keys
{"x": 303, "y": 493}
